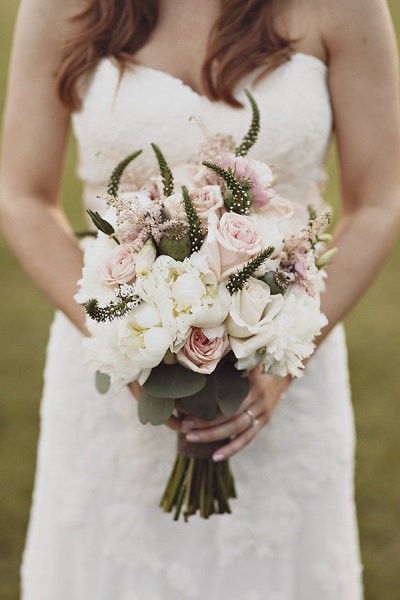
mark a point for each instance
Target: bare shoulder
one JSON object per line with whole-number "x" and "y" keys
{"x": 359, "y": 25}
{"x": 45, "y": 23}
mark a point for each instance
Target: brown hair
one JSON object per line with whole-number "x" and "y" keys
{"x": 243, "y": 38}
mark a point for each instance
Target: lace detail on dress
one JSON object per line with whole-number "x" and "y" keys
{"x": 96, "y": 528}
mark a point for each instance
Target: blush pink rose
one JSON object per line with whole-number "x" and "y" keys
{"x": 203, "y": 349}
{"x": 207, "y": 199}
{"x": 120, "y": 266}
{"x": 257, "y": 172}
{"x": 231, "y": 241}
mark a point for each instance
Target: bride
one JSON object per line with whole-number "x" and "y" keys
{"x": 128, "y": 73}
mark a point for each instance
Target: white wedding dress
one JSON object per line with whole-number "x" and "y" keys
{"x": 96, "y": 531}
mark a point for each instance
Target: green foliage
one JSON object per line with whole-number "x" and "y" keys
{"x": 102, "y": 382}
{"x": 237, "y": 198}
{"x": 237, "y": 280}
{"x": 101, "y": 224}
{"x": 154, "y": 410}
{"x": 195, "y": 228}
{"x": 251, "y": 136}
{"x": 166, "y": 173}
{"x": 116, "y": 309}
{"x": 173, "y": 381}
{"x": 115, "y": 178}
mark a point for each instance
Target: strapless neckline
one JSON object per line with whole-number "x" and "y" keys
{"x": 134, "y": 67}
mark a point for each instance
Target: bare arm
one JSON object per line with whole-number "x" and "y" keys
{"x": 35, "y": 129}
{"x": 364, "y": 88}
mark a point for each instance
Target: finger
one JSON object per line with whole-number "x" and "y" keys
{"x": 174, "y": 423}
{"x": 240, "y": 441}
{"x": 233, "y": 427}
{"x": 190, "y": 422}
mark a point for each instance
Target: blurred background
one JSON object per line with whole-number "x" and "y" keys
{"x": 373, "y": 331}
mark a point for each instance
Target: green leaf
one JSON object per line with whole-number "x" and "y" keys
{"x": 231, "y": 388}
{"x": 154, "y": 410}
{"x": 101, "y": 224}
{"x": 173, "y": 381}
{"x": 203, "y": 405}
{"x": 102, "y": 382}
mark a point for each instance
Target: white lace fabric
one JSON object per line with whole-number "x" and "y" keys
{"x": 96, "y": 531}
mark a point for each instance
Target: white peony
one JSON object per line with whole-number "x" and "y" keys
{"x": 287, "y": 340}
{"x": 127, "y": 349}
{"x": 186, "y": 294}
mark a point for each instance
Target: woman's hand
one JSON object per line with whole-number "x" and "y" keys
{"x": 253, "y": 415}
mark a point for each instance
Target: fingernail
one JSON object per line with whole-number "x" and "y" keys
{"x": 193, "y": 437}
{"x": 218, "y": 457}
{"x": 186, "y": 426}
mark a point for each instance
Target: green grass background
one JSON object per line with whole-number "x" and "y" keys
{"x": 373, "y": 337}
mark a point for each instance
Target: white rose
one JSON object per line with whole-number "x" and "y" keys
{"x": 174, "y": 207}
{"x": 252, "y": 308}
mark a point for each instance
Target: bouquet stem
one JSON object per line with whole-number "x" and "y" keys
{"x": 197, "y": 483}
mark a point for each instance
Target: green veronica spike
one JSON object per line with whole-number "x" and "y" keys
{"x": 251, "y": 136}
{"x": 115, "y": 178}
{"x": 166, "y": 173}
{"x": 195, "y": 229}
{"x": 237, "y": 280}
{"x": 238, "y": 196}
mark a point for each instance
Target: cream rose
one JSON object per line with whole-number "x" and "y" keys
{"x": 203, "y": 349}
{"x": 119, "y": 266}
{"x": 206, "y": 199}
{"x": 252, "y": 308}
{"x": 231, "y": 241}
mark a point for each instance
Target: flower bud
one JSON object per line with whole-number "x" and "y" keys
{"x": 325, "y": 258}
{"x": 178, "y": 249}
{"x": 145, "y": 258}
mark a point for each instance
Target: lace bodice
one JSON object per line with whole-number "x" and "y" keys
{"x": 122, "y": 114}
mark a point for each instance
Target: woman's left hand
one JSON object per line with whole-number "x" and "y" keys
{"x": 253, "y": 415}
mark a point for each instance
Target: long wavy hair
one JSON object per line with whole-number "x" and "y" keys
{"x": 243, "y": 38}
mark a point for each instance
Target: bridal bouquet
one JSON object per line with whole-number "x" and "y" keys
{"x": 193, "y": 280}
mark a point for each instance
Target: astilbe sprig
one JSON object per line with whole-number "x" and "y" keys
{"x": 237, "y": 280}
{"x": 239, "y": 199}
{"x": 195, "y": 229}
{"x": 125, "y": 300}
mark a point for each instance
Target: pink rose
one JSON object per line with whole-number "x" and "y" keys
{"x": 257, "y": 172}
{"x": 120, "y": 267}
{"x": 203, "y": 349}
{"x": 231, "y": 241}
{"x": 206, "y": 199}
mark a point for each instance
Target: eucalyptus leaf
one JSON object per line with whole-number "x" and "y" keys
{"x": 102, "y": 382}
{"x": 154, "y": 410}
{"x": 230, "y": 388}
{"x": 173, "y": 381}
{"x": 203, "y": 405}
